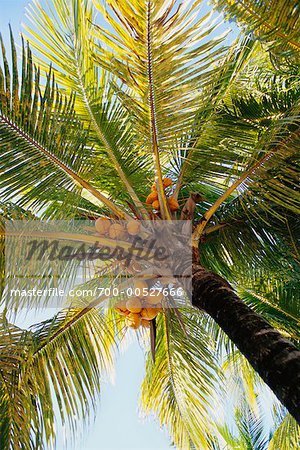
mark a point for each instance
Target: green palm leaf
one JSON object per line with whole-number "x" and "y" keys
{"x": 273, "y": 21}
{"x": 41, "y": 139}
{"x": 170, "y": 389}
{"x": 16, "y": 403}
{"x": 147, "y": 90}
{"x": 75, "y": 70}
{"x": 163, "y": 92}
{"x": 57, "y": 366}
{"x": 286, "y": 436}
{"x": 258, "y": 148}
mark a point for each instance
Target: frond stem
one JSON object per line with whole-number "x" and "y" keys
{"x": 211, "y": 211}
{"x": 81, "y": 313}
{"x": 164, "y": 207}
{"x": 107, "y": 145}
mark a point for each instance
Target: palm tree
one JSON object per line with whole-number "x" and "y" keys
{"x": 149, "y": 91}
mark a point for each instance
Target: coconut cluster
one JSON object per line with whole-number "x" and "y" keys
{"x": 152, "y": 198}
{"x": 139, "y": 310}
{"x": 106, "y": 227}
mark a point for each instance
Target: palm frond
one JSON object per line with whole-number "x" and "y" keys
{"x": 186, "y": 161}
{"x": 9, "y": 211}
{"x": 251, "y": 430}
{"x": 256, "y": 146}
{"x": 43, "y": 144}
{"x": 54, "y": 367}
{"x": 287, "y": 435}
{"x": 250, "y": 435}
{"x": 277, "y": 301}
{"x": 262, "y": 265}
{"x": 163, "y": 92}
{"x": 72, "y": 55}
{"x": 240, "y": 237}
{"x": 18, "y": 426}
{"x": 273, "y": 21}
{"x": 183, "y": 36}
{"x": 177, "y": 388}
{"x": 72, "y": 351}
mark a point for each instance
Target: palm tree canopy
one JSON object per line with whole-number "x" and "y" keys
{"x": 108, "y": 98}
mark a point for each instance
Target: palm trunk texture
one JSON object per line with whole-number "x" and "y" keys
{"x": 275, "y": 358}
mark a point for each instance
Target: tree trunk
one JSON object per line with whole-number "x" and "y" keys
{"x": 275, "y": 358}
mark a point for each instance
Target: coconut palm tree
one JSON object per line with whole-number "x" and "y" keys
{"x": 137, "y": 93}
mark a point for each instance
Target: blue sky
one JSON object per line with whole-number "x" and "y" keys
{"x": 117, "y": 424}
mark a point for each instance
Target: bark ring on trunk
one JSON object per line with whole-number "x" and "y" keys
{"x": 274, "y": 357}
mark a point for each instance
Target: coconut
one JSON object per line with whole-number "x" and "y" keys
{"x": 102, "y": 225}
{"x": 145, "y": 323}
{"x": 134, "y": 305}
{"x": 133, "y": 320}
{"x": 139, "y": 286}
{"x": 167, "y": 182}
{"x": 154, "y": 298}
{"x": 149, "y": 313}
{"x": 116, "y": 231}
{"x": 152, "y": 197}
{"x": 173, "y": 204}
{"x": 155, "y": 205}
{"x": 133, "y": 227}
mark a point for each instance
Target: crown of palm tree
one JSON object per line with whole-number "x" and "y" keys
{"x": 138, "y": 91}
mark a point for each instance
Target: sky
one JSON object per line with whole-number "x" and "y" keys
{"x": 117, "y": 425}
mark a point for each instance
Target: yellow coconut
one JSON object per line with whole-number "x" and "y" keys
{"x": 145, "y": 323}
{"x": 154, "y": 298}
{"x": 167, "y": 182}
{"x": 133, "y": 227}
{"x": 140, "y": 288}
{"x": 155, "y": 205}
{"x": 173, "y": 204}
{"x": 102, "y": 225}
{"x": 116, "y": 231}
{"x": 149, "y": 313}
{"x": 152, "y": 197}
{"x": 134, "y": 305}
{"x": 133, "y": 320}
